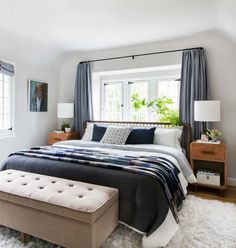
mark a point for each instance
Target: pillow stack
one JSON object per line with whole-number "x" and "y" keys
{"x": 126, "y": 135}
{"x": 119, "y": 135}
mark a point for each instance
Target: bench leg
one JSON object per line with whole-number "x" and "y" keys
{"x": 23, "y": 237}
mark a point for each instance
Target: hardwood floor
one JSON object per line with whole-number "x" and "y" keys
{"x": 212, "y": 194}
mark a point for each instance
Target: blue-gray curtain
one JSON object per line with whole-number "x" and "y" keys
{"x": 193, "y": 87}
{"x": 83, "y": 97}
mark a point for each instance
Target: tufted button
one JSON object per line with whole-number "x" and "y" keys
{"x": 90, "y": 189}
{"x": 71, "y": 185}
{"x": 24, "y": 184}
{"x": 80, "y": 196}
{"x": 9, "y": 173}
{"x": 59, "y": 191}
{"x": 37, "y": 178}
{"x": 22, "y": 175}
{"x": 41, "y": 187}
{"x": 8, "y": 181}
{"x": 53, "y": 182}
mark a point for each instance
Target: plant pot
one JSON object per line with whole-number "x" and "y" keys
{"x": 67, "y": 129}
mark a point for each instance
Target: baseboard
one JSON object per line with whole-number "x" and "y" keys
{"x": 231, "y": 181}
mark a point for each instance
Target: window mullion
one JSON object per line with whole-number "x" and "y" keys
{"x": 102, "y": 114}
{"x": 126, "y": 104}
{"x": 152, "y": 96}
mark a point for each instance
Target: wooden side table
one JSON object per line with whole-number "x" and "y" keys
{"x": 56, "y": 137}
{"x": 210, "y": 157}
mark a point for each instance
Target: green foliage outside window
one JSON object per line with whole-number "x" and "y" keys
{"x": 160, "y": 105}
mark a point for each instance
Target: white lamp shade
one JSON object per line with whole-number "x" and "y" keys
{"x": 207, "y": 111}
{"x": 65, "y": 110}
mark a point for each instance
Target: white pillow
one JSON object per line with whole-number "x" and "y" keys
{"x": 168, "y": 137}
{"x": 88, "y": 134}
{"x": 116, "y": 135}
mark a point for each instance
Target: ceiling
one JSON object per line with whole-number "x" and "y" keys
{"x": 86, "y": 25}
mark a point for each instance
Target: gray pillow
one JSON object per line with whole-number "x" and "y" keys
{"x": 116, "y": 135}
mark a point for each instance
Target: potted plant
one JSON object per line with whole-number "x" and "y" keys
{"x": 213, "y": 134}
{"x": 66, "y": 126}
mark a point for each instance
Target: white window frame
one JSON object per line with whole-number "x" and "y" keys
{"x": 135, "y": 77}
{"x": 5, "y": 133}
{"x": 102, "y": 100}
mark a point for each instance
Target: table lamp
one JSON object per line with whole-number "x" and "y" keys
{"x": 207, "y": 111}
{"x": 65, "y": 111}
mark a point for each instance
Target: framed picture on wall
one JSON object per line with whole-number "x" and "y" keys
{"x": 37, "y": 96}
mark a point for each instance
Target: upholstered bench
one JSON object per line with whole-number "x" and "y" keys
{"x": 64, "y": 212}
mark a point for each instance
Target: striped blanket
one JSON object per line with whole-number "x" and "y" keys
{"x": 159, "y": 168}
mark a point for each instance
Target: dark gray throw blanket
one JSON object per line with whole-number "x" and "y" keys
{"x": 160, "y": 169}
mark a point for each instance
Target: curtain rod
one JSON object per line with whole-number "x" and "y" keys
{"x": 141, "y": 54}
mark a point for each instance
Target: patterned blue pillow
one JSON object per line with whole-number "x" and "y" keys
{"x": 116, "y": 135}
{"x": 98, "y": 132}
{"x": 141, "y": 136}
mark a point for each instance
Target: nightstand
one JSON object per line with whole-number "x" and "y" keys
{"x": 210, "y": 157}
{"x": 55, "y": 137}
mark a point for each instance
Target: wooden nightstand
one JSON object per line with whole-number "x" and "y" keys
{"x": 55, "y": 137}
{"x": 210, "y": 157}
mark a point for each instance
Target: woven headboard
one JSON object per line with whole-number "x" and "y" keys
{"x": 186, "y": 137}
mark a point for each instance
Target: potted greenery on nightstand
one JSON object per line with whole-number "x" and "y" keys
{"x": 66, "y": 126}
{"x": 213, "y": 134}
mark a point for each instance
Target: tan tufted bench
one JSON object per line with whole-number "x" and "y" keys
{"x": 64, "y": 212}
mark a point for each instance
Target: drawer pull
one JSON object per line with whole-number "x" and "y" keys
{"x": 208, "y": 152}
{"x": 57, "y": 139}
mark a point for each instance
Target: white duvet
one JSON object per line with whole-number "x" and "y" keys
{"x": 173, "y": 154}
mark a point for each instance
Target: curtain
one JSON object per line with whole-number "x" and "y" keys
{"x": 83, "y": 97}
{"x": 193, "y": 87}
{"x": 7, "y": 69}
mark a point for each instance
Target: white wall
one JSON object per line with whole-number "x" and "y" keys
{"x": 32, "y": 61}
{"x": 221, "y": 54}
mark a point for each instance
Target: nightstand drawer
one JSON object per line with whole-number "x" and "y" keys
{"x": 213, "y": 159}
{"x": 56, "y": 137}
{"x": 207, "y": 151}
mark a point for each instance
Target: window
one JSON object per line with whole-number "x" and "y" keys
{"x": 113, "y": 101}
{"x": 140, "y": 88}
{"x": 116, "y": 95}
{"x": 6, "y": 98}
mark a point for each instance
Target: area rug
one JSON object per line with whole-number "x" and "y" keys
{"x": 203, "y": 224}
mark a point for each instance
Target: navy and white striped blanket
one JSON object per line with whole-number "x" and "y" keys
{"x": 159, "y": 168}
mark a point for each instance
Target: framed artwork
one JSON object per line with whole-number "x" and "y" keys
{"x": 37, "y": 96}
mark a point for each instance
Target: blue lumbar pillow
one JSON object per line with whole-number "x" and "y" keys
{"x": 141, "y": 136}
{"x": 98, "y": 132}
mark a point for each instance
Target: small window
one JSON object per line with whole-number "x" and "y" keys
{"x": 113, "y": 99}
{"x": 6, "y": 99}
{"x": 171, "y": 89}
{"x": 142, "y": 89}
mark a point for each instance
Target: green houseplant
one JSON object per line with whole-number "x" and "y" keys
{"x": 66, "y": 126}
{"x": 161, "y": 105}
{"x": 213, "y": 134}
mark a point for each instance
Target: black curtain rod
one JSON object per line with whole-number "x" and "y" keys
{"x": 141, "y": 54}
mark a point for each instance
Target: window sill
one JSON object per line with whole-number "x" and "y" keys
{"x": 7, "y": 135}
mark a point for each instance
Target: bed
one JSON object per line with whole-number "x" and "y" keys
{"x": 143, "y": 202}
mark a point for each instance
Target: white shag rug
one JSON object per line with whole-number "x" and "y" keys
{"x": 203, "y": 224}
